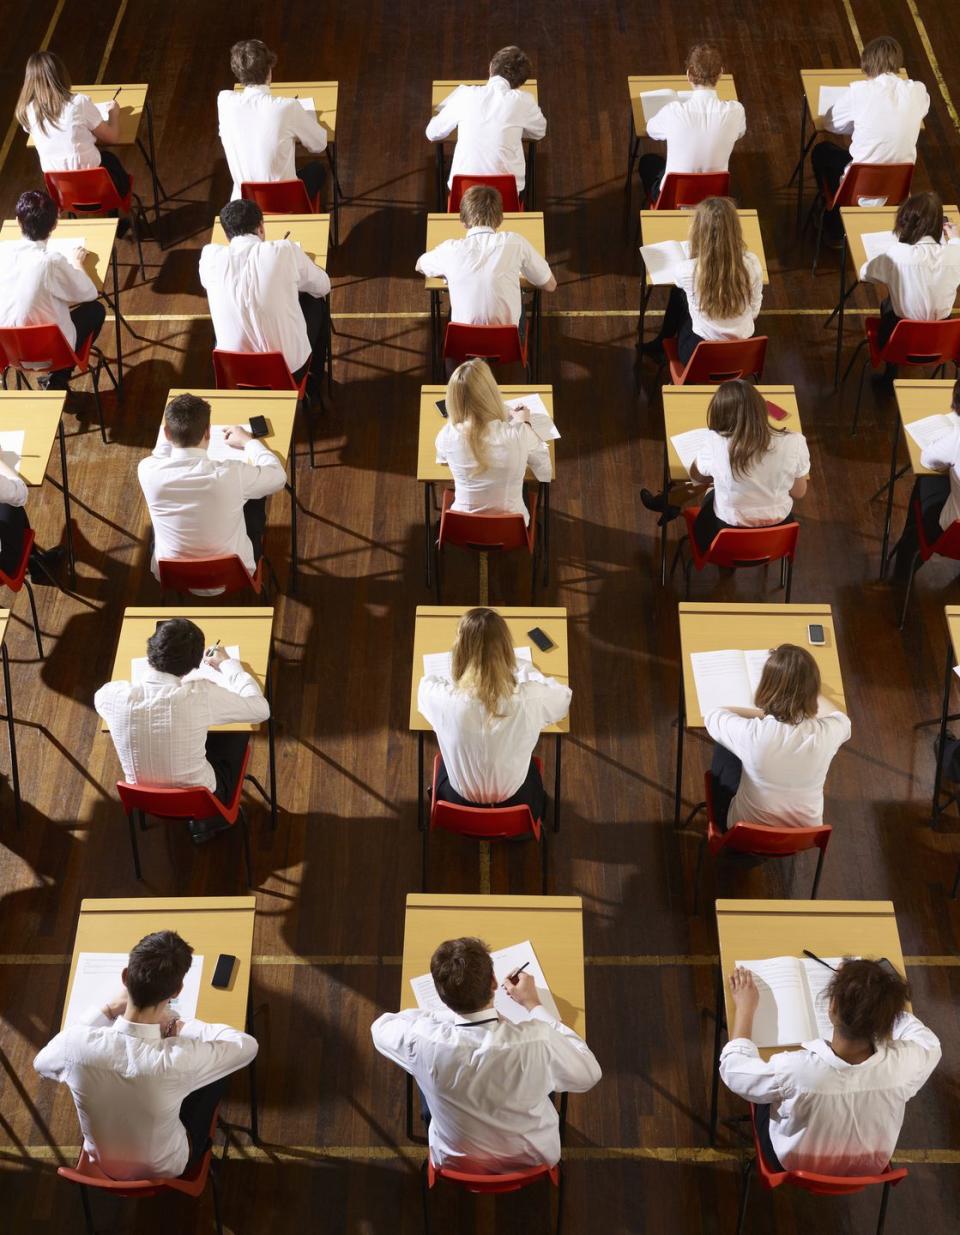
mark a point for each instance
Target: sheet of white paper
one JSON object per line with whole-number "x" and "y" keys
{"x": 425, "y": 993}
{"x": 829, "y": 96}
{"x": 66, "y": 244}
{"x": 818, "y": 979}
{"x": 875, "y": 243}
{"x": 653, "y": 101}
{"x": 440, "y": 664}
{"x": 784, "y": 1014}
{"x": 755, "y": 661}
{"x": 97, "y": 980}
{"x": 929, "y": 428}
{"x": 661, "y": 259}
{"x": 507, "y": 960}
{"x": 104, "y": 109}
{"x": 218, "y": 448}
{"x": 721, "y": 679}
{"x": 11, "y": 447}
{"x": 688, "y": 445}
{"x": 139, "y": 667}
{"x": 308, "y": 105}
{"x": 541, "y": 421}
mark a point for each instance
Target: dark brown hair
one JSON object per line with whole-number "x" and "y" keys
{"x": 704, "y": 64}
{"x": 513, "y": 64}
{"x": 481, "y": 206}
{"x": 176, "y": 646}
{"x": 186, "y": 419}
{"x": 866, "y": 998}
{"x": 881, "y": 55}
{"x": 789, "y": 685}
{"x": 156, "y": 968}
{"x": 920, "y": 215}
{"x": 36, "y": 214}
{"x": 251, "y": 61}
{"x": 241, "y": 217}
{"x": 462, "y": 972}
{"x": 738, "y": 412}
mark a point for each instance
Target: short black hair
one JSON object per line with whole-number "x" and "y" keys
{"x": 186, "y": 419}
{"x": 176, "y": 646}
{"x": 156, "y": 968}
{"x": 241, "y": 218}
{"x": 36, "y": 214}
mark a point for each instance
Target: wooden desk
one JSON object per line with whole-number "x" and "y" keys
{"x": 713, "y": 627}
{"x": 642, "y": 84}
{"x": 235, "y": 407}
{"x": 210, "y": 924}
{"x": 952, "y": 614}
{"x": 11, "y": 728}
{"x": 251, "y": 629}
{"x": 310, "y": 231}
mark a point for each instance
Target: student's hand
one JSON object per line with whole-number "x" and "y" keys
{"x": 170, "y": 1025}
{"x": 78, "y": 256}
{"x": 237, "y": 437}
{"x": 950, "y": 230}
{"x": 520, "y": 414}
{"x": 523, "y": 990}
{"x": 744, "y": 991}
{"x": 115, "y": 1007}
{"x": 214, "y": 657}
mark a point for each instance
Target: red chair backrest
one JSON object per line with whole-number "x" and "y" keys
{"x": 498, "y": 344}
{"x": 206, "y": 573}
{"x": 753, "y": 546}
{"x": 506, "y": 186}
{"x": 279, "y": 196}
{"x": 90, "y": 191}
{"x": 251, "y": 370}
{"x": 40, "y": 346}
{"x": 195, "y": 802}
{"x": 494, "y": 532}
{"x": 509, "y": 1182}
{"x": 684, "y": 190}
{"x": 947, "y": 544}
{"x": 15, "y": 581}
{"x": 889, "y": 180}
{"x": 715, "y": 362}
{"x": 484, "y": 823}
{"x": 923, "y": 343}
{"x": 761, "y": 839}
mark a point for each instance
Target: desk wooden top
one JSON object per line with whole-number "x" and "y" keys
{"x": 98, "y": 235}
{"x": 668, "y": 81}
{"x": 915, "y": 400}
{"x": 553, "y": 924}
{"x": 250, "y": 629}
{"x": 685, "y": 408}
{"x": 235, "y": 407}
{"x": 713, "y": 627}
{"x": 526, "y": 223}
{"x": 4, "y": 619}
{"x": 440, "y": 89}
{"x": 953, "y": 628}
{"x": 813, "y": 79}
{"x": 659, "y": 225}
{"x": 324, "y": 95}
{"x": 131, "y": 100}
{"x": 860, "y": 221}
{"x": 310, "y": 231}
{"x": 37, "y": 413}
{"x": 431, "y": 422}
{"x": 436, "y": 630}
{"x": 755, "y": 930}
{"x": 210, "y": 924}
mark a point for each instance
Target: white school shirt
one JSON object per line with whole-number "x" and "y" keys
{"x": 196, "y": 503}
{"x": 762, "y": 496}
{"x": 483, "y": 271}
{"x": 159, "y": 725}
{"x": 69, "y": 145}
{"x": 128, "y": 1082}
{"x": 260, "y": 131}
{"x": 943, "y": 455}
{"x": 882, "y": 116}
{"x": 700, "y": 131}
{"x": 38, "y": 285}
{"x": 828, "y": 1116}
{"x": 491, "y": 123}
{"x": 510, "y": 449}
{"x": 713, "y": 329}
{"x": 253, "y": 287}
{"x": 487, "y": 758}
{"x": 922, "y": 278}
{"x": 488, "y": 1086}
{"x": 784, "y": 766}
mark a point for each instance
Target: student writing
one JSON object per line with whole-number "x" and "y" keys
{"x": 938, "y": 495}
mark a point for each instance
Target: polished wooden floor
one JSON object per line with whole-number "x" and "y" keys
{"x": 332, "y": 880}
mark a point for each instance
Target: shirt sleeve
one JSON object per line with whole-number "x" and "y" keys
{"x": 535, "y": 122}
{"x": 924, "y": 1049}
{"x": 433, "y": 263}
{"x": 549, "y": 697}
{"x": 66, "y": 282}
{"x": 447, "y": 118}
{"x": 261, "y": 472}
{"x": 391, "y": 1038}
{"x": 839, "y": 118}
{"x": 756, "y": 284}
{"x": 659, "y": 126}
{"x": 52, "y": 1060}
{"x": 746, "y": 1074}
{"x": 739, "y": 111}
{"x": 104, "y": 699}
{"x": 573, "y": 1066}
{"x": 308, "y": 131}
{"x": 239, "y": 699}
{"x": 425, "y": 692}
{"x": 13, "y": 492}
{"x": 89, "y": 113}
{"x": 704, "y": 461}
{"x": 440, "y": 445}
{"x": 727, "y": 728}
{"x": 876, "y": 269}
{"x": 311, "y": 278}
{"x": 533, "y": 267}
{"x": 214, "y": 1052}
{"x": 803, "y": 457}
{"x": 538, "y": 454}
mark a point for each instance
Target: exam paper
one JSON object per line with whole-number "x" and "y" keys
{"x": 929, "y": 428}
{"x": 875, "y": 243}
{"x": 727, "y": 679}
{"x": 828, "y": 96}
{"x": 67, "y": 245}
{"x": 688, "y": 445}
{"x": 653, "y": 101}
{"x": 140, "y": 667}
{"x": 541, "y": 422}
{"x": 218, "y": 448}
{"x": 97, "y": 980}
{"x": 440, "y": 664}
{"x": 661, "y": 259}
{"x": 505, "y": 961}
{"x": 11, "y": 447}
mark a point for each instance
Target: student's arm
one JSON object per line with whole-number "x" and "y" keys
{"x": 427, "y": 691}
{"x": 311, "y": 278}
{"x": 799, "y": 488}
{"x": 236, "y": 698}
{"x": 433, "y": 263}
{"x": 741, "y": 1068}
{"x": 802, "y": 477}
{"x": 729, "y": 726}
{"x": 212, "y": 1051}
{"x": 660, "y": 126}
{"x": 534, "y": 122}
{"x": 701, "y": 469}
{"x": 573, "y": 1066}
{"x": 941, "y": 454}
{"x": 839, "y": 118}
{"x": 755, "y": 272}
{"x": 447, "y": 118}
{"x": 13, "y": 492}
{"x": 52, "y": 1061}
{"x": 876, "y": 269}
{"x": 392, "y": 1039}
{"x": 535, "y": 269}
{"x": 67, "y": 279}
{"x": 262, "y": 472}
{"x": 925, "y": 1051}
{"x": 741, "y": 115}
{"x": 307, "y": 129}
{"x": 548, "y": 697}
{"x": 538, "y": 453}
{"x": 107, "y": 132}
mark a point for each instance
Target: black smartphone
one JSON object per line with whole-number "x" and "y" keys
{"x": 259, "y": 426}
{"x": 816, "y": 634}
{"x": 541, "y": 639}
{"x": 888, "y": 967}
{"x": 223, "y": 973}
{"x": 442, "y": 407}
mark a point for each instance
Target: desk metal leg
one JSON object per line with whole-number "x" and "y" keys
{"x": 12, "y": 735}
{"x": 337, "y": 194}
{"x": 294, "y": 565}
{"x": 840, "y": 305}
{"x": 804, "y": 147}
{"x": 409, "y": 1105}
{"x": 530, "y": 181}
{"x": 427, "y": 547}
{"x": 441, "y": 186}
{"x": 537, "y": 314}
{"x": 150, "y": 154}
{"x": 116, "y": 321}
{"x": 68, "y": 522}
{"x": 644, "y": 301}
{"x": 272, "y": 744}
{"x": 719, "y": 1025}
{"x": 891, "y": 484}
{"x": 681, "y": 722}
{"x": 663, "y": 530}
{"x": 938, "y": 779}
{"x": 421, "y": 822}
{"x": 633, "y": 149}
{"x": 545, "y": 490}
{"x": 252, "y": 1070}
{"x": 435, "y": 330}
{"x": 556, "y": 785}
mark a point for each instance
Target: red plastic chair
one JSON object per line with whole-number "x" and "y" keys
{"x": 36, "y": 350}
{"x": 487, "y": 533}
{"x": 734, "y": 547}
{"x": 911, "y": 343}
{"x": 686, "y": 190}
{"x": 209, "y": 573}
{"x": 487, "y": 1185}
{"x": 713, "y": 363}
{"x": 482, "y": 823}
{"x": 506, "y": 186}
{"x": 818, "y": 1185}
{"x": 760, "y": 840}
{"x": 888, "y": 180}
{"x": 264, "y": 371}
{"x": 195, "y": 802}
{"x": 91, "y": 194}
{"x": 280, "y": 196}
{"x": 495, "y": 344}
{"x": 19, "y": 579}
{"x": 946, "y": 545}
{"x": 86, "y": 1174}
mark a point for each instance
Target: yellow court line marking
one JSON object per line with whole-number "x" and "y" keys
{"x": 934, "y": 65}
{"x": 855, "y": 29}
{"x": 110, "y": 42}
{"x": 389, "y": 317}
{"x": 12, "y": 131}
{"x": 289, "y": 960}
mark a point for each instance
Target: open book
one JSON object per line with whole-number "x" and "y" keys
{"x": 653, "y": 101}
{"x": 828, "y": 96}
{"x": 661, "y": 259}
{"x": 505, "y": 961}
{"x": 541, "y": 422}
{"x": 440, "y": 664}
{"x": 11, "y": 447}
{"x": 929, "y": 428}
{"x": 875, "y": 243}
{"x": 729, "y": 679}
{"x": 140, "y": 667}
{"x": 97, "y": 981}
{"x": 793, "y": 1005}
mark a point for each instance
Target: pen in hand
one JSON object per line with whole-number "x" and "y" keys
{"x": 117, "y": 91}
{"x": 512, "y": 977}
{"x": 286, "y": 234}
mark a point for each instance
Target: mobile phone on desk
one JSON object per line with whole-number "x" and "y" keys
{"x": 259, "y": 426}
{"x": 816, "y": 634}
{"x": 541, "y": 639}
{"x": 224, "y": 970}
{"x": 775, "y": 412}
{"x": 442, "y": 407}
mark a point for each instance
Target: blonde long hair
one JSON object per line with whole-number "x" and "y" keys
{"x": 484, "y": 663}
{"x": 739, "y": 412}
{"x": 473, "y": 403}
{"x": 716, "y": 241}
{"x": 46, "y": 84}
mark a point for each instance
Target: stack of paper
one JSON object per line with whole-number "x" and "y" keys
{"x": 653, "y": 101}
{"x": 828, "y": 96}
{"x": 440, "y": 664}
{"x": 218, "y": 448}
{"x": 505, "y": 961}
{"x": 688, "y": 445}
{"x": 97, "y": 981}
{"x": 661, "y": 259}
{"x": 793, "y": 1006}
{"x": 541, "y": 422}
{"x": 11, "y": 447}
{"x": 140, "y": 667}
{"x": 930, "y": 428}
{"x": 875, "y": 243}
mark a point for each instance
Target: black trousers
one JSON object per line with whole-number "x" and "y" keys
{"x": 932, "y": 492}
{"x": 115, "y": 170}
{"x": 196, "y": 1115}
{"x": 651, "y": 168}
{"x": 312, "y": 176}
{"x": 531, "y": 793}
{"x": 13, "y": 527}
{"x": 726, "y": 770}
{"x": 678, "y": 324}
{"x": 255, "y": 521}
{"x": 225, "y": 753}
{"x": 88, "y": 319}
{"x": 314, "y": 313}
{"x": 761, "y": 1119}
{"x": 829, "y": 162}
{"x": 888, "y": 322}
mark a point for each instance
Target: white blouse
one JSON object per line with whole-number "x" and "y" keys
{"x": 714, "y": 330}
{"x": 922, "y": 278}
{"x": 69, "y": 145}
{"x": 511, "y": 449}
{"x": 762, "y": 497}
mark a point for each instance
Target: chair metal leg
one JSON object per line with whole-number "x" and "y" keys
{"x": 816, "y": 878}
{"x": 882, "y": 1218}
{"x": 425, "y": 1195}
{"x": 136, "y": 235}
{"x": 245, "y": 837}
{"x": 95, "y": 375}
{"x": 543, "y": 861}
{"x": 36, "y": 620}
{"x": 786, "y": 595}
{"x": 719, "y": 1024}
{"x": 560, "y": 1181}
{"x": 11, "y": 735}
{"x": 906, "y": 595}
{"x": 856, "y": 409}
{"x": 745, "y": 1178}
{"x": 215, "y": 1182}
{"x": 87, "y": 1213}
{"x": 687, "y": 571}
{"x": 133, "y": 844}
{"x": 437, "y": 560}
{"x": 819, "y": 241}
{"x": 424, "y": 856}
{"x": 696, "y": 878}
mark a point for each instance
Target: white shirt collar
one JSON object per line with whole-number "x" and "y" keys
{"x": 823, "y": 1050}
{"x": 188, "y": 452}
{"x": 262, "y": 88}
{"x": 245, "y": 241}
{"x": 501, "y": 83}
{"x": 484, "y": 1014}
{"x": 135, "y": 1029}
{"x": 710, "y": 90}
{"x": 481, "y": 231}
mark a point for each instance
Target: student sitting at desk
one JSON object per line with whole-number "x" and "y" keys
{"x": 939, "y": 496}
{"x": 161, "y": 725}
{"x": 145, "y": 1082}
{"x": 837, "y": 1107}
{"x": 265, "y": 295}
{"x": 42, "y": 287}
{"x": 14, "y": 526}
{"x": 921, "y": 271}
{"x": 491, "y": 121}
{"x": 202, "y": 507}
{"x": 489, "y": 717}
{"x": 488, "y": 446}
{"x": 260, "y": 130}
{"x": 717, "y": 290}
{"x": 700, "y": 131}
{"x": 483, "y": 269}
{"x": 66, "y": 127}
{"x": 770, "y": 762}
{"x": 485, "y": 1082}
